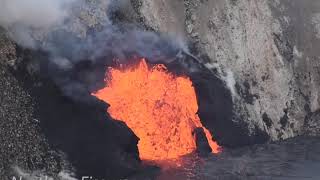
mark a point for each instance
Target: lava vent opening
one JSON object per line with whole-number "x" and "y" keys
{"x": 160, "y": 108}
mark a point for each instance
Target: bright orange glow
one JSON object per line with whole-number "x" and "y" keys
{"x": 158, "y": 106}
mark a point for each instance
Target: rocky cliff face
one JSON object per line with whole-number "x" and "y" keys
{"x": 266, "y": 51}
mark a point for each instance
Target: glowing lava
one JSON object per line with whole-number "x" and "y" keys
{"x": 158, "y": 106}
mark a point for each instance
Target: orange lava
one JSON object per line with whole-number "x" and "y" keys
{"x": 158, "y": 106}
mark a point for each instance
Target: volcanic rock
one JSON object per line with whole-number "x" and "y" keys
{"x": 203, "y": 147}
{"x": 258, "y": 81}
{"x": 44, "y": 131}
{"x": 266, "y": 53}
{"x": 21, "y": 142}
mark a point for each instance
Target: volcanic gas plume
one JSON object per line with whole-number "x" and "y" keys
{"x": 158, "y": 106}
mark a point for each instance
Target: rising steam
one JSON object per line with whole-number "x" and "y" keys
{"x": 73, "y": 31}
{"x": 24, "y": 17}
{"x": 55, "y": 26}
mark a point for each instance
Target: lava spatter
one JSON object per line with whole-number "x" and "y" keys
{"x": 158, "y": 106}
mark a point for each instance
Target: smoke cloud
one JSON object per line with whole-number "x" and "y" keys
{"x": 23, "y": 17}
{"x": 73, "y": 31}
{"x": 33, "y": 13}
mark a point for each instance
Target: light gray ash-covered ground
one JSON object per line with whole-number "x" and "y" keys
{"x": 266, "y": 53}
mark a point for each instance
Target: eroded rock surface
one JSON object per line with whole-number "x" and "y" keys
{"x": 266, "y": 51}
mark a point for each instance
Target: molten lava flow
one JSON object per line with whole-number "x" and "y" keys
{"x": 159, "y": 107}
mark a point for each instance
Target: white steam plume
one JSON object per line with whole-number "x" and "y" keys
{"x": 74, "y": 31}
{"x": 21, "y": 17}
{"x": 33, "y": 13}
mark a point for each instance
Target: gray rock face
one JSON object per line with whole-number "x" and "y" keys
{"x": 266, "y": 51}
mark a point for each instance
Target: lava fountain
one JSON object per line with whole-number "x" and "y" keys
{"x": 158, "y": 106}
